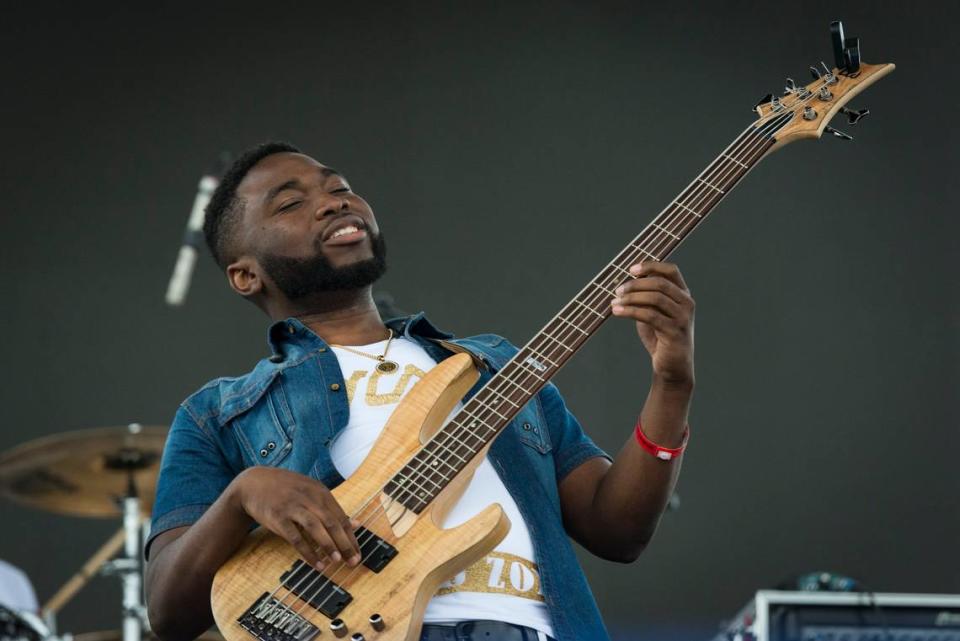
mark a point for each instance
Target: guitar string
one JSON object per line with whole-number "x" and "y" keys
{"x": 718, "y": 166}
{"x": 748, "y": 138}
{"x": 710, "y": 174}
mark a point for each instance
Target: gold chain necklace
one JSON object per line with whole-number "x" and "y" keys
{"x": 383, "y": 366}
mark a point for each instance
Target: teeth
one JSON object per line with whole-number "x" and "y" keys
{"x": 349, "y": 229}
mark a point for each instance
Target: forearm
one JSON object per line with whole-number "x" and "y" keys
{"x": 636, "y": 488}
{"x": 180, "y": 575}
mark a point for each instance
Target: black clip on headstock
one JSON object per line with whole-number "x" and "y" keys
{"x": 846, "y": 51}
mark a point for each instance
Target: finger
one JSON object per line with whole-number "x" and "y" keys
{"x": 651, "y": 317}
{"x": 335, "y": 522}
{"x": 658, "y": 301}
{"x": 289, "y": 531}
{"x": 337, "y": 525}
{"x": 316, "y": 529}
{"x": 667, "y": 270}
{"x": 345, "y": 541}
{"x": 654, "y": 283}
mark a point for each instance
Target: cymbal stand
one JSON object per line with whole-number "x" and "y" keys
{"x": 129, "y": 566}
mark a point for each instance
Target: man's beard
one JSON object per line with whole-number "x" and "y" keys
{"x": 299, "y": 278}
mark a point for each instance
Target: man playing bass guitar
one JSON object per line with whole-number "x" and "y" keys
{"x": 266, "y": 448}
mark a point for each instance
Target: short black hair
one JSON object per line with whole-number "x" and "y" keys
{"x": 224, "y": 209}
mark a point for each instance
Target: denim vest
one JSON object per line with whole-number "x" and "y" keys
{"x": 286, "y": 412}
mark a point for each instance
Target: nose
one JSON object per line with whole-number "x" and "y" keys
{"x": 332, "y": 205}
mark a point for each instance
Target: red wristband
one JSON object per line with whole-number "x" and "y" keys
{"x": 662, "y": 453}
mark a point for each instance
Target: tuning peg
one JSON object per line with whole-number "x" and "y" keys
{"x": 853, "y": 117}
{"x": 839, "y": 134}
{"x": 815, "y": 73}
{"x": 790, "y": 87}
{"x": 765, "y": 100}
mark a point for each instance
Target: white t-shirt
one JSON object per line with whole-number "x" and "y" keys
{"x": 504, "y": 585}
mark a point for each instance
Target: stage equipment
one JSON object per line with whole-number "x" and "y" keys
{"x": 192, "y": 238}
{"x": 85, "y": 472}
{"x": 21, "y": 626}
{"x": 101, "y": 472}
{"x": 418, "y": 467}
{"x": 774, "y": 615}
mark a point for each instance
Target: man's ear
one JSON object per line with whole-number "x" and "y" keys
{"x": 244, "y": 277}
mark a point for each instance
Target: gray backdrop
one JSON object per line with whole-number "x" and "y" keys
{"x": 508, "y": 150}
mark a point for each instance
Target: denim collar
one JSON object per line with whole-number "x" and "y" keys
{"x": 290, "y": 335}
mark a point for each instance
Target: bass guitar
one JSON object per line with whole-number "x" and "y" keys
{"x": 419, "y": 466}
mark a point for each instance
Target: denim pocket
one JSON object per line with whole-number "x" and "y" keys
{"x": 265, "y": 430}
{"x": 532, "y": 429}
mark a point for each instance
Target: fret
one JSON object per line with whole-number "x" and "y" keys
{"x": 525, "y": 391}
{"x": 649, "y": 255}
{"x": 477, "y": 420}
{"x": 492, "y": 391}
{"x": 598, "y": 285}
{"x": 734, "y": 160}
{"x": 488, "y": 407}
{"x": 556, "y": 340}
{"x": 585, "y": 306}
{"x": 711, "y": 186}
{"x": 444, "y": 445}
{"x": 542, "y": 356}
{"x": 437, "y": 458}
{"x": 530, "y": 371}
{"x": 666, "y": 231}
{"x": 432, "y": 467}
{"x": 682, "y": 206}
{"x": 576, "y": 327}
{"x": 622, "y": 270}
{"x": 462, "y": 435}
{"x": 428, "y": 479}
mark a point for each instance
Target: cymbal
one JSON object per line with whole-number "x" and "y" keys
{"x": 85, "y": 472}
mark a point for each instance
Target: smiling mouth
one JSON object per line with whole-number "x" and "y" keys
{"x": 346, "y": 235}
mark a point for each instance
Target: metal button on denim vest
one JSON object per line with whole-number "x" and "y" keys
{"x": 287, "y": 410}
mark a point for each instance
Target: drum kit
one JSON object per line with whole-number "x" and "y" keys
{"x": 108, "y": 472}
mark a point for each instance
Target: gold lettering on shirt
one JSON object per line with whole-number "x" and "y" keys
{"x": 352, "y": 383}
{"x": 498, "y": 573}
{"x": 372, "y": 396}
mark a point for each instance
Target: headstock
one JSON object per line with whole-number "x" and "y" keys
{"x": 805, "y": 111}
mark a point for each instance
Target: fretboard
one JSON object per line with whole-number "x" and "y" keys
{"x": 485, "y": 414}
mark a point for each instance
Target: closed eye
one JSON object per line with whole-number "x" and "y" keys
{"x": 290, "y": 205}
{"x": 341, "y": 190}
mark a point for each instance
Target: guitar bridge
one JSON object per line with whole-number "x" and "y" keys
{"x": 270, "y": 620}
{"x": 316, "y": 589}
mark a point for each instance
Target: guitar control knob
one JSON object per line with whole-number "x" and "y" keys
{"x": 809, "y": 113}
{"x": 339, "y": 628}
{"x": 357, "y": 637}
{"x": 376, "y": 622}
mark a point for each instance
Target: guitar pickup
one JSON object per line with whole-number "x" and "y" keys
{"x": 316, "y": 589}
{"x": 375, "y": 552}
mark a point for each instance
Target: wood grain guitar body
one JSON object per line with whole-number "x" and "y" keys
{"x": 419, "y": 554}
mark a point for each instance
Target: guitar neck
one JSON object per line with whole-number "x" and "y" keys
{"x": 483, "y": 416}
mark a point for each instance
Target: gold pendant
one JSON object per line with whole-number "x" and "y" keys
{"x": 387, "y": 367}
